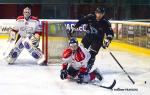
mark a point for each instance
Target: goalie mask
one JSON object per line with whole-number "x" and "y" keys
{"x": 27, "y": 13}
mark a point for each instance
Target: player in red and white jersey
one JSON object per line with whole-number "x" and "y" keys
{"x": 74, "y": 66}
{"x": 28, "y": 29}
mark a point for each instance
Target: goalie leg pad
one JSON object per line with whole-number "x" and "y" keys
{"x": 20, "y": 46}
{"x": 34, "y": 51}
{"x": 13, "y": 55}
{"x": 15, "y": 52}
{"x": 27, "y": 45}
{"x": 36, "y": 54}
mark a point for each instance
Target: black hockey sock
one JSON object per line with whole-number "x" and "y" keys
{"x": 91, "y": 60}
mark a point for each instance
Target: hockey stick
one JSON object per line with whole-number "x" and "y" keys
{"x": 95, "y": 84}
{"x": 107, "y": 87}
{"x": 120, "y": 66}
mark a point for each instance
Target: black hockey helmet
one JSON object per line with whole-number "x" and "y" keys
{"x": 100, "y": 10}
{"x": 73, "y": 41}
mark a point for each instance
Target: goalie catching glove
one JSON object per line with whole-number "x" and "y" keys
{"x": 35, "y": 39}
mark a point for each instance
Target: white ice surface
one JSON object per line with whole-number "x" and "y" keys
{"x": 27, "y": 78}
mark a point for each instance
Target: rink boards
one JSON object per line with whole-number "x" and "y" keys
{"x": 115, "y": 45}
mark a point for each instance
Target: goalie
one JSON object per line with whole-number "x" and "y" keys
{"x": 28, "y": 29}
{"x": 74, "y": 66}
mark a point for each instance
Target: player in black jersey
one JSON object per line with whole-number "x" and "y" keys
{"x": 97, "y": 28}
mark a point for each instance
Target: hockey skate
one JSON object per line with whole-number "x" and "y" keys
{"x": 9, "y": 60}
{"x": 98, "y": 74}
{"x": 41, "y": 61}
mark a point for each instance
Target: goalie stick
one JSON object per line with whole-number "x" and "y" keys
{"x": 9, "y": 47}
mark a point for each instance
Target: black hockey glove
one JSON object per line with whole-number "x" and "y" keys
{"x": 71, "y": 31}
{"x": 63, "y": 74}
{"x": 106, "y": 43}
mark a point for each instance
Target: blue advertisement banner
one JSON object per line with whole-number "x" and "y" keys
{"x": 69, "y": 26}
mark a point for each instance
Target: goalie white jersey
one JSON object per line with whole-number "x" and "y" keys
{"x": 26, "y": 28}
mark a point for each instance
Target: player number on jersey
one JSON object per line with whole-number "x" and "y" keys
{"x": 92, "y": 30}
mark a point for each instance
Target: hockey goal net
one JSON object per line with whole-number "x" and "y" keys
{"x": 54, "y": 40}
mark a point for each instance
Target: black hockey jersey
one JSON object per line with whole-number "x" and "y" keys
{"x": 97, "y": 29}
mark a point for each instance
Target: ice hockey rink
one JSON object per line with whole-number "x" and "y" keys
{"x": 27, "y": 78}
